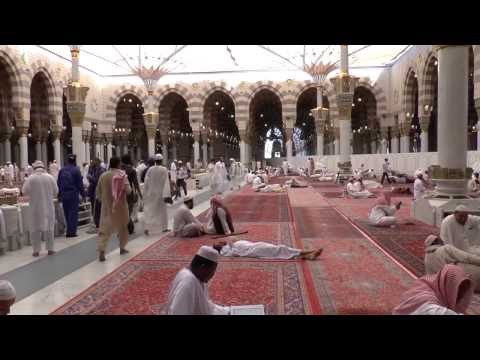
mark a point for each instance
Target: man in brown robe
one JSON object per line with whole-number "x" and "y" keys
{"x": 113, "y": 219}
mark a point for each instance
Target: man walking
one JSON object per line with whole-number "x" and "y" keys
{"x": 386, "y": 171}
{"x": 132, "y": 198}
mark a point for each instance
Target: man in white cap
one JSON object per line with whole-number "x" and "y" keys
{"x": 156, "y": 193}
{"x": 189, "y": 294}
{"x": 41, "y": 188}
{"x": 419, "y": 185}
{"x": 461, "y": 230}
{"x": 184, "y": 223}
{"x": 7, "y": 296}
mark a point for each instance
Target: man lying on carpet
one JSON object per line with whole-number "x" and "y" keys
{"x": 189, "y": 294}
{"x": 461, "y": 230}
{"x": 7, "y": 296}
{"x": 382, "y": 213}
{"x": 220, "y": 218}
{"x": 448, "y": 292}
{"x": 437, "y": 255}
{"x": 264, "y": 250}
{"x": 184, "y": 223}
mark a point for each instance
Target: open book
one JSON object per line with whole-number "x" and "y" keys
{"x": 247, "y": 310}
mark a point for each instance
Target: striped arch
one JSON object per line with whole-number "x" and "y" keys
{"x": 18, "y": 80}
{"x": 302, "y": 87}
{"x": 408, "y": 100}
{"x": 118, "y": 94}
{"x": 164, "y": 110}
{"x": 372, "y": 111}
{"x": 180, "y": 89}
{"x": 381, "y": 98}
{"x": 215, "y": 86}
{"x": 476, "y": 72}
{"x": 429, "y": 79}
{"x": 54, "y": 90}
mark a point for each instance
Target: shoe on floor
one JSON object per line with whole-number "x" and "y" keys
{"x": 124, "y": 251}
{"x": 36, "y": 254}
{"x": 101, "y": 257}
{"x": 51, "y": 252}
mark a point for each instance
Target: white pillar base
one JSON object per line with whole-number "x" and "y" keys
{"x": 196, "y": 153}
{"x": 395, "y": 145}
{"x": 151, "y": 147}
{"x": 23, "y": 141}
{"x": 38, "y": 151}
{"x": 56, "y": 151}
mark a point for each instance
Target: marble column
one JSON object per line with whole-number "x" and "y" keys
{"x": 98, "y": 150}
{"x": 196, "y": 148}
{"x": 44, "y": 153}
{"x": 395, "y": 132}
{"x": 404, "y": 137}
{"x": 320, "y": 116}
{"x": 56, "y": 132}
{"x": 8, "y": 149}
{"x": 174, "y": 151}
{"x": 373, "y": 146}
{"x": 38, "y": 149}
{"x": 424, "y": 124}
{"x": 288, "y": 143}
{"x": 108, "y": 139}
{"x": 23, "y": 142}
{"x": 205, "y": 154}
{"x": 151, "y": 134}
{"x": 452, "y": 119}
{"x": 86, "y": 148}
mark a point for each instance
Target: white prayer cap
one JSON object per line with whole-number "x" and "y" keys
{"x": 38, "y": 164}
{"x": 7, "y": 291}
{"x": 158, "y": 157}
{"x": 418, "y": 172}
{"x": 209, "y": 253}
{"x": 461, "y": 208}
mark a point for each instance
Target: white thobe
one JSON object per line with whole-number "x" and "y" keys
{"x": 418, "y": 189}
{"x": 354, "y": 191}
{"x": 182, "y": 219}
{"x": 173, "y": 172}
{"x": 285, "y": 168}
{"x": 10, "y": 173}
{"x": 473, "y": 186}
{"x": 433, "y": 309}
{"x": 29, "y": 170}
{"x": 263, "y": 250}
{"x": 382, "y": 215}
{"x": 189, "y": 296}
{"x": 257, "y": 182}
{"x": 140, "y": 169}
{"x": 461, "y": 236}
{"x": 41, "y": 188}
{"x": 210, "y": 169}
{"x": 54, "y": 171}
{"x": 156, "y": 188}
{"x": 249, "y": 178}
{"x": 219, "y": 178}
{"x": 222, "y": 217}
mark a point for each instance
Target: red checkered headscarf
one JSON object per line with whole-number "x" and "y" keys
{"x": 440, "y": 289}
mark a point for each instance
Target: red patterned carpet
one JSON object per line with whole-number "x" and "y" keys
{"x": 353, "y": 275}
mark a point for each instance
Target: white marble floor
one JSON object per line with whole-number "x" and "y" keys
{"x": 56, "y": 294}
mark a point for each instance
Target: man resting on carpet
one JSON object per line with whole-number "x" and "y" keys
{"x": 296, "y": 183}
{"x": 356, "y": 190}
{"x": 461, "y": 230}
{"x": 189, "y": 294}
{"x": 448, "y": 292}
{"x": 437, "y": 255}
{"x": 184, "y": 223}
{"x": 382, "y": 213}
{"x": 220, "y": 218}
{"x": 264, "y": 250}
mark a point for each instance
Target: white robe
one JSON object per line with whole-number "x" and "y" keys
{"x": 219, "y": 179}
{"x": 54, "y": 169}
{"x": 249, "y": 178}
{"x": 210, "y": 169}
{"x": 285, "y": 168}
{"x": 461, "y": 236}
{"x": 140, "y": 169}
{"x": 173, "y": 172}
{"x": 262, "y": 250}
{"x": 257, "y": 183}
{"x": 41, "y": 188}
{"x": 354, "y": 191}
{"x": 189, "y": 296}
{"x": 418, "y": 189}
{"x": 155, "y": 189}
{"x": 433, "y": 309}
{"x": 182, "y": 218}
{"x": 382, "y": 215}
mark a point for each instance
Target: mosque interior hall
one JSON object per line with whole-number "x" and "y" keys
{"x": 239, "y": 180}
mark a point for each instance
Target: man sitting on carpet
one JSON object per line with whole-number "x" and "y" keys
{"x": 437, "y": 255}
{"x": 189, "y": 294}
{"x": 220, "y": 219}
{"x": 7, "y": 296}
{"x": 354, "y": 189}
{"x": 382, "y": 212}
{"x": 461, "y": 229}
{"x": 264, "y": 250}
{"x": 184, "y": 223}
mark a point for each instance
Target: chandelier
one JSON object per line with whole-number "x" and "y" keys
{"x": 319, "y": 71}
{"x": 150, "y": 76}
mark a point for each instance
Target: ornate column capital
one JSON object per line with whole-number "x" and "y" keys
{"x": 196, "y": 135}
{"x": 344, "y": 86}
{"x": 404, "y": 129}
{"x": 336, "y": 133}
{"x": 151, "y": 119}
{"x": 76, "y": 96}
{"x": 424, "y": 123}
{"x": 384, "y": 133}
{"x": 108, "y": 137}
{"x": 56, "y": 131}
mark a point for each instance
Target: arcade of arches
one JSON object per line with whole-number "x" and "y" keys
{"x": 266, "y": 131}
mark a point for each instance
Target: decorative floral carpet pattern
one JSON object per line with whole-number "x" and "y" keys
{"x": 352, "y": 276}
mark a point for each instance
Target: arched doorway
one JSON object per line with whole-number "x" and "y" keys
{"x": 472, "y": 113}
{"x": 6, "y": 126}
{"x": 431, "y": 101}
{"x": 364, "y": 123}
{"x": 130, "y": 136}
{"x": 39, "y": 138}
{"x": 220, "y": 126}
{"x": 304, "y": 133}
{"x": 411, "y": 115}
{"x": 265, "y": 128}
{"x": 174, "y": 122}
